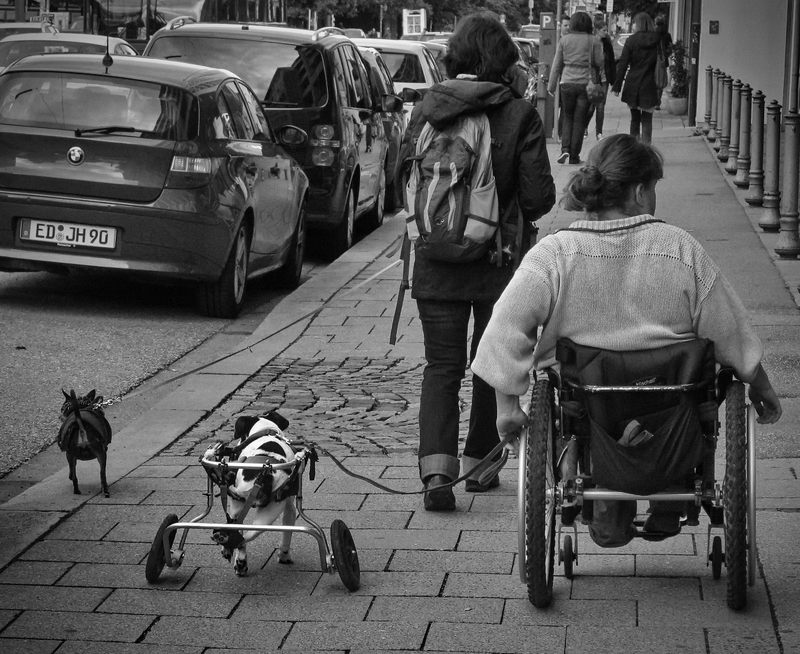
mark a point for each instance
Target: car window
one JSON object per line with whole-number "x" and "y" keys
{"x": 242, "y": 124}
{"x": 433, "y": 66}
{"x": 59, "y": 101}
{"x": 250, "y": 100}
{"x": 404, "y": 67}
{"x": 356, "y": 74}
{"x": 283, "y": 74}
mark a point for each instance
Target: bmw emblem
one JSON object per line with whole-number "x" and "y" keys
{"x": 76, "y": 155}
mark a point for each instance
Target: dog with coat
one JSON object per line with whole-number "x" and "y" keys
{"x": 262, "y": 495}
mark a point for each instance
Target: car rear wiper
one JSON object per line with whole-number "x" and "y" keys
{"x": 106, "y": 130}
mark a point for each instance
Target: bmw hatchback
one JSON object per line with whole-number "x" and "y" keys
{"x": 149, "y": 167}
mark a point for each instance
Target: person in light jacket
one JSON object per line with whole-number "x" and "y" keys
{"x": 577, "y": 53}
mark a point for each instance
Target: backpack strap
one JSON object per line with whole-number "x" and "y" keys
{"x": 405, "y": 257}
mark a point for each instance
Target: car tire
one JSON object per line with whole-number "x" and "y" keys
{"x": 224, "y": 298}
{"x": 291, "y": 272}
{"x": 374, "y": 218}
{"x": 344, "y": 233}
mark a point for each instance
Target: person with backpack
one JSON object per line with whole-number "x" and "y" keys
{"x": 462, "y": 180}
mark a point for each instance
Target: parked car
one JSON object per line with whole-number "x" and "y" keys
{"x": 529, "y": 49}
{"x": 149, "y": 167}
{"x": 438, "y": 50}
{"x": 354, "y": 32}
{"x": 393, "y": 120}
{"x": 316, "y": 81}
{"x": 21, "y": 45}
{"x": 411, "y": 64}
{"x": 530, "y": 31}
{"x": 6, "y": 29}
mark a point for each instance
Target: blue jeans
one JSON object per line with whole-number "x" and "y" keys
{"x": 575, "y": 106}
{"x": 445, "y": 329}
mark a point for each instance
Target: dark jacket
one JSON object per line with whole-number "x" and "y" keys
{"x": 521, "y": 169}
{"x": 609, "y": 63}
{"x": 636, "y": 68}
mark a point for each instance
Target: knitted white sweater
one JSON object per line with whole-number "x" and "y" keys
{"x": 619, "y": 285}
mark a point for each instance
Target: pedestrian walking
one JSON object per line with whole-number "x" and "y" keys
{"x": 636, "y": 75}
{"x": 666, "y": 48}
{"x": 577, "y": 54}
{"x": 610, "y": 69}
{"x": 480, "y": 60}
{"x": 618, "y": 279}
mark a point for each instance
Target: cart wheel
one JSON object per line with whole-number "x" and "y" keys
{"x": 345, "y": 556}
{"x": 157, "y": 558}
{"x": 716, "y": 557}
{"x": 568, "y": 556}
{"x": 735, "y": 496}
{"x": 540, "y": 482}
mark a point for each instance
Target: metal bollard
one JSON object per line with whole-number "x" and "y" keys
{"x": 743, "y": 160}
{"x": 756, "y": 176}
{"x": 788, "y": 245}
{"x": 716, "y": 115}
{"x": 725, "y": 137}
{"x": 733, "y": 148}
{"x": 771, "y": 218}
{"x": 709, "y": 97}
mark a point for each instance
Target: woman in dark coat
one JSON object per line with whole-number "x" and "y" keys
{"x": 479, "y": 61}
{"x": 610, "y": 68}
{"x": 636, "y": 75}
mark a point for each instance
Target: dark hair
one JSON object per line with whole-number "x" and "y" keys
{"x": 580, "y": 21}
{"x": 643, "y": 22}
{"x": 613, "y": 166}
{"x": 480, "y": 46}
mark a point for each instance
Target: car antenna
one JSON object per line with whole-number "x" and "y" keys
{"x": 107, "y": 60}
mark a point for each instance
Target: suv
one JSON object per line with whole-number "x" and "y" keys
{"x": 315, "y": 81}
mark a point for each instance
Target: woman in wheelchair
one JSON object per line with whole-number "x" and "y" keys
{"x": 618, "y": 279}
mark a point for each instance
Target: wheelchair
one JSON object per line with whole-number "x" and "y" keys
{"x": 672, "y": 395}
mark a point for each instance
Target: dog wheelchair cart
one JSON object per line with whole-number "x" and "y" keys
{"x": 581, "y": 414}
{"x": 342, "y": 558}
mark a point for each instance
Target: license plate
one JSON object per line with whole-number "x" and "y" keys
{"x": 68, "y": 234}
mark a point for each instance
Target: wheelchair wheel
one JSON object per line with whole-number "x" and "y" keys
{"x": 157, "y": 558}
{"x": 735, "y": 496}
{"x": 716, "y": 557}
{"x": 568, "y": 557}
{"x": 345, "y": 556}
{"x": 540, "y": 482}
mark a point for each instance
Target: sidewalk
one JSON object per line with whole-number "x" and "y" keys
{"x": 72, "y": 567}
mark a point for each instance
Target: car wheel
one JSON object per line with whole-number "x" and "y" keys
{"x": 344, "y": 232}
{"x": 374, "y": 218}
{"x": 290, "y": 273}
{"x": 225, "y": 297}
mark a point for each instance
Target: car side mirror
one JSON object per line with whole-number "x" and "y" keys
{"x": 292, "y": 136}
{"x": 391, "y": 103}
{"x": 410, "y": 95}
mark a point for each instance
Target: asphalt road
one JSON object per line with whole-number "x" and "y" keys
{"x": 83, "y": 332}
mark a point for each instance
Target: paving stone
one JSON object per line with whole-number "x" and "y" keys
{"x": 673, "y": 589}
{"x": 170, "y": 602}
{"x": 669, "y": 639}
{"x": 86, "y": 647}
{"x": 214, "y": 632}
{"x": 486, "y": 639}
{"x": 709, "y": 612}
{"x": 725, "y": 640}
{"x": 28, "y": 646}
{"x": 34, "y": 572}
{"x": 425, "y": 539}
{"x": 392, "y": 583}
{"x": 363, "y": 519}
{"x": 51, "y": 598}
{"x": 7, "y": 616}
{"x": 271, "y": 580}
{"x": 488, "y": 541}
{"x": 413, "y": 560}
{"x": 69, "y": 625}
{"x": 104, "y": 575}
{"x": 567, "y": 612}
{"x": 464, "y": 520}
{"x": 436, "y": 609}
{"x": 461, "y": 584}
{"x": 373, "y": 636}
{"x": 301, "y": 609}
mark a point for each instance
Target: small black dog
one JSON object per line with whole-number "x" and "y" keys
{"x": 84, "y": 434}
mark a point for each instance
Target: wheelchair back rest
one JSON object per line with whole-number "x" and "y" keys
{"x": 691, "y": 362}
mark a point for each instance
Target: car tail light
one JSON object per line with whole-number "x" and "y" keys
{"x": 188, "y": 170}
{"x": 323, "y": 145}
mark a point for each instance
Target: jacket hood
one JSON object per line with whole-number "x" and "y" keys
{"x": 646, "y": 40}
{"x": 446, "y": 101}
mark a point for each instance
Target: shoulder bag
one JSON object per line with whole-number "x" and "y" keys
{"x": 594, "y": 88}
{"x": 661, "y": 69}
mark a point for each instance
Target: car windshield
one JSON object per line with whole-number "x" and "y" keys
{"x": 404, "y": 67}
{"x": 81, "y": 102}
{"x": 281, "y": 74}
{"x": 10, "y": 51}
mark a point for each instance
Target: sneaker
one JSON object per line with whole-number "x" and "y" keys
{"x": 562, "y": 158}
{"x": 440, "y": 499}
{"x": 662, "y": 524}
{"x": 474, "y": 486}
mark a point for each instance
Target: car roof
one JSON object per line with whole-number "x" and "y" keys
{"x": 70, "y": 37}
{"x": 294, "y": 35}
{"x": 394, "y": 44}
{"x": 188, "y": 76}
{"x": 35, "y": 27}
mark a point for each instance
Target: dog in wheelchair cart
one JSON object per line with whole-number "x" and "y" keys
{"x": 263, "y": 495}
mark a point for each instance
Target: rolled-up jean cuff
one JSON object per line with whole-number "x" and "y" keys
{"x": 468, "y": 463}
{"x": 438, "y": 464}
